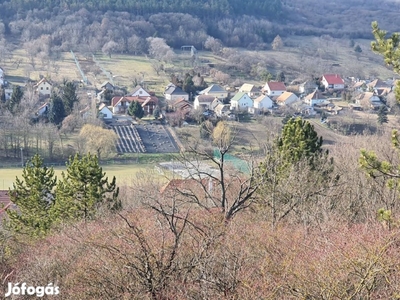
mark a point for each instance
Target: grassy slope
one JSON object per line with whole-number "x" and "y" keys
{"x": 123, "y": 173}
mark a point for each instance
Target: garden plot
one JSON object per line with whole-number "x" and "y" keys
{"x": 129, "y": 140}
{"x": 156, "y": 139}
{"x": 147, "y": 138}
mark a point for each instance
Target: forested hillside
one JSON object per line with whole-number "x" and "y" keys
{"x": 252, "y": 24}
{"x": 203, "y": 9}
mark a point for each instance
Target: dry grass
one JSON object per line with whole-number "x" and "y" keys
{"x": 123, "y": 173}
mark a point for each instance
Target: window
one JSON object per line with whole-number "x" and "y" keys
{"x": 41, "y": 88}
{"x": 47, "y": 88}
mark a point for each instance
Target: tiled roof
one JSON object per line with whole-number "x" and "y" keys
{"x": 261, "y": 98}
{"x": 333, "y": 79}
{"x": 142, "y": 100}
{"x": 276, "y": 86}
{"x": 206, "y": 98}
{"x": 5, "y": 201}
{"x": 315, "y": 95}
{"x": 377, "y": 83}
{"x": 284, "y": 97}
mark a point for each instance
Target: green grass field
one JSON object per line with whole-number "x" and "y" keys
{"x": 123, "y": 173}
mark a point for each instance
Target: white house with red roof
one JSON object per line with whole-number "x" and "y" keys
{"x": 274, "y": 88}
{"x": 332, "y": 81}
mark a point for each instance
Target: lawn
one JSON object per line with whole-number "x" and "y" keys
{"x": 123, "y": 173}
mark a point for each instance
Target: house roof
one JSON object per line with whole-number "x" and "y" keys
{"x": 276, "y": 86}
{"x": 5, "y": 201}
{"x": 103, "y": 106}
{"x": 284, "y": 97}
{"x": 261, "y": 98}
{"x": 137, "y": 88}
{"x": 333, "y": 79}
{"x": 142, "y": 100}
{"x": 314, "y": 96}
{"x": 377, "y": 83}
{"x": 43, "y": 106}
{"x": 214, "y": 88}
{"x": 105, "y": 83}
{"x": 247, "y": 88}
{"x": 214, "y": 104}
{"x": 358, "y": 84}
{"x": 220, "y": 107}
{"x": 206, "y": 98}
{"x": 43, "y": 80}
{"x": 365, "y": 97}
{"x": 175, "y": 90}
{"x": 182, "y": 104}
{"x": 238, "y": 96}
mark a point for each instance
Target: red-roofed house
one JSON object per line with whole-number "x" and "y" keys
{"x": 5, "y": 202}
{"x": 120, "y": 104}
{"x": 332, "y": 81}
{"x": 274, "y": 88}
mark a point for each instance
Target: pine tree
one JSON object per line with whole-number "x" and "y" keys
{"x": 389, "y": 48}
{"x": 136, "y": 110}
{"x": 298, "y": 140}
{"x": 382, "y": 115}
{"x": 84, "y": 190}
{"x": 34, "y": 197}
{"x": 69, "y": 96}
{"x": 56, "y": 112}
{"x": 15, "y": 99}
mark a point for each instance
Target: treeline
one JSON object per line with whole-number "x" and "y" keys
{"x": 203, "y": 9}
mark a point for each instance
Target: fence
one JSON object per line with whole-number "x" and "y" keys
{"x": 239, "y": 164}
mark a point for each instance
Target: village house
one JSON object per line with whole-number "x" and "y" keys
{"x": 250, "y": 89}
{"x": 286, "y": 98}
{"x": 241, "y": 101}
{"x": 263, "y": 103}
{"x": 120, "y": 104}
{"x": 274, "y": 88}
{"x": 204, "y": 102}
{"x": 216, "y": 91}
{"x": 174, "y": 93}
{"x": 307, "y": 87}
{"x": 140, "y": 92}
{"x": 332, "y": 81}
{"x": 104, "y": 112}
{"x": 181, "y": 106}
{"x": 106, "y": 85}
{"x": 368, "y": 100}
{"x": 379, "y": 87}
{"x": 222, "y": 110}
{"x": 43, "y": 110}
{"x": 314, "y": 98}
{"x": 43, "y": 87}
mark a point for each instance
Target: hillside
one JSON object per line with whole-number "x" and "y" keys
{"x": 70, "y": 23}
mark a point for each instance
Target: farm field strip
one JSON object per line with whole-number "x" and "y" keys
{"x": 129, "y": 140}
{"x": 123, "y": 173}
